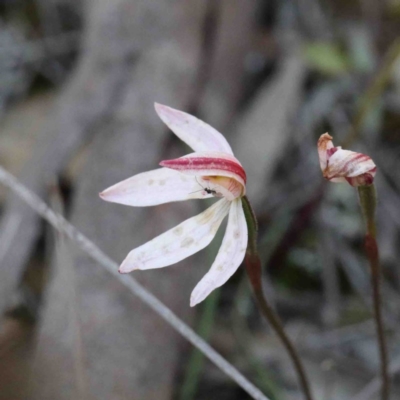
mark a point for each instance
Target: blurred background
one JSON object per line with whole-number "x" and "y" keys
{"x": 78, "y": 80}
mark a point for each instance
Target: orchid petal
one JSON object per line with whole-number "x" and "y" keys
{"x": 223, "y": 173}
{"x": 180, "y": 242}
{"x": 208, "y": 163}
{"x": 194, "y": 132}
{"x": 230, "y": 255}
{"x": 154, "y": 187}
{"x": 348, "y": 164}
{"x": 324, "y": 144}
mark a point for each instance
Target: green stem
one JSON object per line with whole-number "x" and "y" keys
{"x": 253, "y": 268}
{"x": 367, "y": 195}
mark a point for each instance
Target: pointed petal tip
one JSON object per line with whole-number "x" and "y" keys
{"x": 325, "y": 137}
{"x": 126, "y": 266}
{"x": 124, "y": 269}
{"x": 104, "y": 195}
{"x": 158, "y": 106}
{"x": 162, "y": 109}
{"x": 109, "y": 194}
{"x": 194, "y": 301}
{"x": 199, "y": 294}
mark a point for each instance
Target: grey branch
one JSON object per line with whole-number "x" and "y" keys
{"x": 63, "y": 226}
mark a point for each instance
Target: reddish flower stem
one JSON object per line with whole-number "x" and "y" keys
{"x": 367, "y": 196}
{"x": 253, "y": 269}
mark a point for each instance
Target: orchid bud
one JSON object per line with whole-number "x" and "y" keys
{"x": 340, "y": 165}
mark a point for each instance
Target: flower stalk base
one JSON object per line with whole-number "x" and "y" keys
{"x": 367, "y": 196}
{"x": 253, "y": 269}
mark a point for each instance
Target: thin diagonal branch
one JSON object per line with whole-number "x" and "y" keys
{"x": 62, "y": 225}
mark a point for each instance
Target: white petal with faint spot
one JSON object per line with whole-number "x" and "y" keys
{"x": 150, "y": 188}
{"x": 193, "y": 131}
{"x": 180, "y": 242}
{"x": 230, "y": 254}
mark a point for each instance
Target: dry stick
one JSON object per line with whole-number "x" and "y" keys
{"x": 367, "y": 197}
{"x": 62, "y": 225}
{"x": 253, "y": 268}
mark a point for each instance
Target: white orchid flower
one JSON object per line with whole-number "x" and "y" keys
{"x": 211, "y": 171}
{"x": 340, "y": 165}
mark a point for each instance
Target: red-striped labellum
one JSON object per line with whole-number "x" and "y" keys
{"x": 223, "y": 172}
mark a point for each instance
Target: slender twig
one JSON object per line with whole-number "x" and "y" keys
{"x": 253, "y": 268}
{"x": 368, "y": 203}
{"x": 62, "y": 225}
